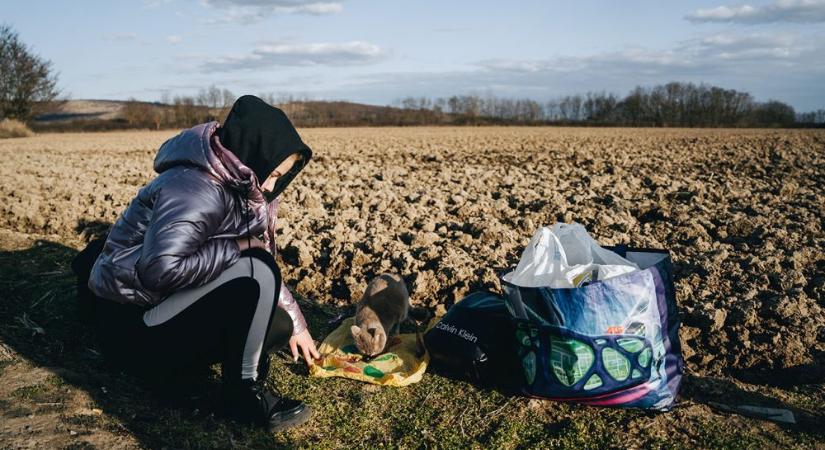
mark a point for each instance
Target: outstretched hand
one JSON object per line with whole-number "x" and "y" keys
{"x": 303, "y": 340}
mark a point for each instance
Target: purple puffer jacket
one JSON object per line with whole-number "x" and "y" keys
{"x": 179, "y": 232}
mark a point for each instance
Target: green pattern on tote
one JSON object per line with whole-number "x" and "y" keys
{"x": 644, "y": 357}
{"x": 592, "y": 383}
{"x": 616, "y": 364}
{"x": 570, "y": 359}
{"x": 630, "y": 344}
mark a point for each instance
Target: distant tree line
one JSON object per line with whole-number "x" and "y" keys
{"x": 179, "y": 111}
{"x": 812, "y": 117}
{"x": 213, "y": 104}
{"x": 667, "y": 105}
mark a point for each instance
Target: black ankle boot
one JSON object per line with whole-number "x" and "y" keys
{"x": 249, "y": 401}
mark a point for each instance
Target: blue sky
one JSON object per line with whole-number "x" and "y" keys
{"x": 378, "y": 51}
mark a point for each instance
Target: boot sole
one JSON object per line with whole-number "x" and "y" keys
{"x": 282, "y": 423}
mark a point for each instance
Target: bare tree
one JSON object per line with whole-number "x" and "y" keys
{"x": 268, "y": 97}
{"x": 214, "y": 97}
{"x": 774, "y": 114}
{"x": 570, "y": 107}
{"x": 409, "y": 103}
{"x": 202, "y": 99}
{"x": 440, "y": 105}
{"x": 156, "y": 117}
{"x": 228, "y": 98}
{"x": 142, "y": 114}
{"x": 26, "y": 79}
{"x": 185, "y": 110}
{"x": 551, "y": 110}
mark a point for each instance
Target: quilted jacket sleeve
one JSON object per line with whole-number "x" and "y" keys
{"x": 288, "y": 303}
{"x": 176, "y": 250}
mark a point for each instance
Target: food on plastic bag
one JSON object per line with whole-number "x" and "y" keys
{"x": 566, "y": 256}
{"x": 399, "y": 365}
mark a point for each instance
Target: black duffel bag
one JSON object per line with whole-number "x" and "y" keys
{"x": 474, "y": 340}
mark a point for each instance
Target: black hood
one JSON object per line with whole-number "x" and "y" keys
{"x": 262, "y": 137}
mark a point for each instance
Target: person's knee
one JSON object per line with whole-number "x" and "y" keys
{"x": 267, "y": 258}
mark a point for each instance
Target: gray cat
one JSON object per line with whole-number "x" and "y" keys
{"x": 380, "y": 313}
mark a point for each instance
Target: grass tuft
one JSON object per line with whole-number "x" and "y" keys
{"x": 11, "y": 128}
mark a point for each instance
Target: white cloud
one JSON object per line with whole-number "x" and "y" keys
{"x": 796, "y": 11}
{"x": 319, "y": 8}
{"x": 155, "y": 3}
{"x": 755, "y": 47}
{"x": 291, "y": 54}
{"x": 120, "y": 36}
{"x": 787, "y": 66}
{"x": 710, "y": 52}
{"x": 174, "y": 39}
{"x": 255, "y": 10}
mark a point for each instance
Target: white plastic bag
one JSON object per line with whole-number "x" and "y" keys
{"x": 566, "y": 256}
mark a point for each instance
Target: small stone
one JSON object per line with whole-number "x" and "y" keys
{"x": 687, "y": 351}
{"x": 719, "y": 317}
{"x": 720, "y": 256}
{"x": 465, "y": 239}
{"x": 425, "y": 239}
{"x": 360, "y": 258}
{"x": 440, "y": 310}
{"x": 312, "y": 202}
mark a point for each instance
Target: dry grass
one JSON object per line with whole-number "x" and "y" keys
{"x": 11, "y": 128}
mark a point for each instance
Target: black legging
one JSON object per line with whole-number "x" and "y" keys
{"x": 232, "y": 320}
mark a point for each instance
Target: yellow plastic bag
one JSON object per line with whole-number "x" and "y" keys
{"x": 397, "y": 366}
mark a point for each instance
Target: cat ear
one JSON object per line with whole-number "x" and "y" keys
{"x": 381, "y": 339}
{"x": 355, "y": 330}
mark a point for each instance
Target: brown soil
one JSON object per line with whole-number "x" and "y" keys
{"x": 451, "y": 209}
